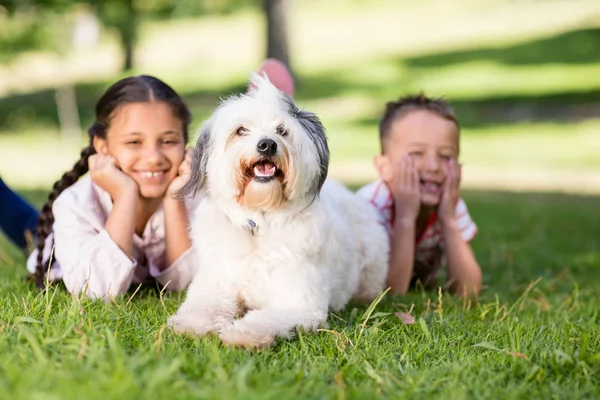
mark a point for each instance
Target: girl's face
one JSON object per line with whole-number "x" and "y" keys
{"x": 147, "y": 141}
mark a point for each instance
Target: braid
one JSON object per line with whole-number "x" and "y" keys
{"x": 46, "y": 219}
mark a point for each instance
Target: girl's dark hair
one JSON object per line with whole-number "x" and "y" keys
{"x": 399, "y": 108}
{"x": 133, "y": 89}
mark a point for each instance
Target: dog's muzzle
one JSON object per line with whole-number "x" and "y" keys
{"x": 265, "y": 171}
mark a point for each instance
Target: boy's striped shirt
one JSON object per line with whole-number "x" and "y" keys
{"x": 430, "y": 243}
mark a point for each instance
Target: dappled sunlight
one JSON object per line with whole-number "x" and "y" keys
{"x": 229, "y": 47}
{"x": 37, "y": 160}
{"x": 483, "y": 79}
{"x": 534, "y": 145}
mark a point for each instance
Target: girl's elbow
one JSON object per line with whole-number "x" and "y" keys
{"x": 88, "y": 288}
{"x": 398, "y": 288}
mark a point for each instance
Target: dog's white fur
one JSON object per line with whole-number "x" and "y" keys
{"x": 281, "y": 257}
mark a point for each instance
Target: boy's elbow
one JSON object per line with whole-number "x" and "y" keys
{"x": 471, "y": 287}
{"x": 477, "y": 282}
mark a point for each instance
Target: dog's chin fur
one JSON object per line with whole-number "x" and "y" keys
{"x": 257, "y": 193}
{"x": 263, "y": 195}
{"x": 283, "y": 251}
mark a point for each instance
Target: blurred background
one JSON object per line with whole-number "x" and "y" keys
{"x": 523, "y": 75}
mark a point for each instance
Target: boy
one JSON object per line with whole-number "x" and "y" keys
{"x": 418, "y": 196}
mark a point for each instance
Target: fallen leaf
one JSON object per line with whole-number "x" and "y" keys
{"x": 519, "y": 355}
{"x": 487, "y": 345}
{"x": 379, "y": 314}
{"x": 28, "y": 320}
{"x": 406, "y": 318}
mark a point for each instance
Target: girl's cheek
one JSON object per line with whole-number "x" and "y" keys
{"x": 177, "y": 158}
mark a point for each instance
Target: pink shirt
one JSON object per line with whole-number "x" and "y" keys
{"x": 429, "y": 247}
{"x": 86, "y": 257}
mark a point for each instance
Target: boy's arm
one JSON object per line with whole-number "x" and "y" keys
{"x": 464, "y": 273}
{"x": 402, "y": 254}
{"x": 404, "y": 186}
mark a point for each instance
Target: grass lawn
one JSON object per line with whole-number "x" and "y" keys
{"x": 532, "y": 334}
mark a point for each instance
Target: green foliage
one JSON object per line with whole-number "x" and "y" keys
{"x": 22, "y": 30}
{"x": 162, "y": 9}
{"x": 44, "y": 24}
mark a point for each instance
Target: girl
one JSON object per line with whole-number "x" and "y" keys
{"x": 120, "y": 225}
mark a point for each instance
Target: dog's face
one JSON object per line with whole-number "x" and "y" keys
{"x": 260, "y": 150}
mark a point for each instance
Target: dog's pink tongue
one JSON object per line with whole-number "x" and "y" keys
{"x": 266, "y": 169}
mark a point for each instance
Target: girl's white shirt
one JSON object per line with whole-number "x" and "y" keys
{"x": 87, "y": 259}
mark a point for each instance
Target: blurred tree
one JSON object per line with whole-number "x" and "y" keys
{"x": 276, "y": 12}
{"x": 122, "y": 15}
{"x": 30, "y": 28}
{"x": 21, "y": 28}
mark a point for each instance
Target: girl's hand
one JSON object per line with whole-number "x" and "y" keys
{"x": 106, "y": 174}
{"x": 450, "y": 193}
{"x": 185, "y": 169}
{"x": 405, "y": 189}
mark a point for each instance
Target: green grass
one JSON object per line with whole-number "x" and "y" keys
{"x": 532, "y": 334}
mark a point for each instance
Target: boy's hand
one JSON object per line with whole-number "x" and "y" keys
{"x": 106, "y": 174}
{"x": 185, "y": 169}
{"x": 450, "y": 192}
{"x": 406, "y": 189}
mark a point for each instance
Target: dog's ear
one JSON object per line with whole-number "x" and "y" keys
{"x": 316, "y": 132}
{"x": 197, "y": 179}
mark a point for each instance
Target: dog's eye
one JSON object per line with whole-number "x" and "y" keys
{"x": 241, "y": 131}
{"x": 281, "y": 130}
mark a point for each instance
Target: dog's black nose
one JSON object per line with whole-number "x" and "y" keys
{"x": 266, "y": 147}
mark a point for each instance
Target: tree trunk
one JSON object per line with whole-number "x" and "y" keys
{"x": 277, "y": 39}
{"x": 127, "y": 30}
{"x": 68, "y": 112}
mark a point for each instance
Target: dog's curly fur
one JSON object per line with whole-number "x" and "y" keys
{"x": 278, "y": 245}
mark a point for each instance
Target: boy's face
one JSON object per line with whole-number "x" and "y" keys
{"x": 431, "y": 141}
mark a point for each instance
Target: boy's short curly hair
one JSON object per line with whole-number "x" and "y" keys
{"x": 399, "y": 108}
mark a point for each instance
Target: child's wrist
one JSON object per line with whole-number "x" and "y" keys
{"x": 404, "y": 217}
{"x": 172, "y": 203}
{"x": 126, "y": 195}
{"x": 405, "y": 222}
{"x": 449, "y": 224}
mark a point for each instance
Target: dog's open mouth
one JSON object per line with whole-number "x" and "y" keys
{"x": 265, "y": 170}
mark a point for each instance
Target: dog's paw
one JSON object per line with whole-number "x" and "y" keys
{"x": 191, "y": 324}
{"x": 234, "y": 336}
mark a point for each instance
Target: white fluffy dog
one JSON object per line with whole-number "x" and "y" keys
{"x": 277, "y": 245}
